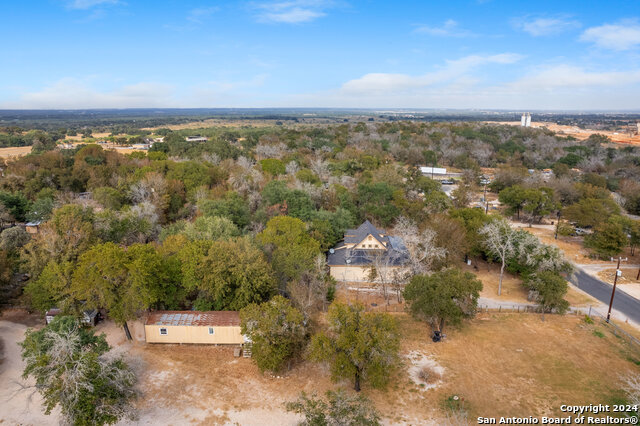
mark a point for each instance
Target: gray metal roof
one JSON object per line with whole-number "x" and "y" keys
{"x": 194, "y": 318}
{"x": 354, "y": 236}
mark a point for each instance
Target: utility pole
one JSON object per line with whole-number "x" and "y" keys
{"x": 486, "y": 203}
{"x": 558, "y": 224}
{"x": 613, "y": 292}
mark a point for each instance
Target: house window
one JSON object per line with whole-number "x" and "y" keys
{"x": 163, "y": 331}
{"x": 210, "y": 330}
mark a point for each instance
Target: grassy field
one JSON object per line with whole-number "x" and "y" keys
{"x": 14, "y": 151}
{"x": 501, "y": 364}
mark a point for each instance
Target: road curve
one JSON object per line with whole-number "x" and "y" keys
{"x": 600, "y": 290}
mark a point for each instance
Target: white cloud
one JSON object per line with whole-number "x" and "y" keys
{"x": 454, "y": 69}
{"x": 623, "y": 35}
{"x": 73, "y": 93}
{"x": 557, "y": 87}
{"x": 292, "y": 11}
{"x": 573, "y": 77}
{"x": 70, "y": 93}
{"x": 199, "y": 14}
{"x": 545, "y": 26}
{"x": 88, "y": 4}
{"x": 450, "y": 28}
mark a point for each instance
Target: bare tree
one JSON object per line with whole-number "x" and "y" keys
{"x": 380, "y": 271}
{"x": 309, "y": 292}
{"x": 90, "y": 385}
{"x": 499, "y": 239}
{"x": 420, "y": 244}
{"x": 320, "y": 168}
{"x": 292, "y": 168}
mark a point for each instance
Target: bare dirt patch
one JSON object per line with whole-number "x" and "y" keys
{"x": 21, "y": 316}
{"x": 628, "y": 276}
{"x": 489, "y": 274}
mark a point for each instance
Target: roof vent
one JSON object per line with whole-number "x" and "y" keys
{"x": 332, "y": 251}
{"x": 348, "y": 260}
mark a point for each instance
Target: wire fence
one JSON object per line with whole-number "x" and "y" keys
{"x": 615, "y": 329}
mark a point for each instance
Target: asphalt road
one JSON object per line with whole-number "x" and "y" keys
{"x": 600, "y": 290}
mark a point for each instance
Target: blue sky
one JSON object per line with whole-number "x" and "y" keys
{"x": 321, "y": 53}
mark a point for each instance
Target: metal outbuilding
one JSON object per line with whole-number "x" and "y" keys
{"x": 203, "y": 327}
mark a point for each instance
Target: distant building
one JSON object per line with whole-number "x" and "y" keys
{"x": 32, "y": 227}
{"x": 428, "y": 171}
{"x": 352, "y": 259}
{"x": 196, "y": 139}
{"x": 207, "y": 327}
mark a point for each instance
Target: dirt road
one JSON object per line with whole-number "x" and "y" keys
{"x": 17, "y": 404}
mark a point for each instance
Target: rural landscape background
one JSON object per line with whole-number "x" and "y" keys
{"x": 372, "y": 213}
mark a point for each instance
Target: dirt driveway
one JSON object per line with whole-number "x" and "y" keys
{"x": 18, "y": 405}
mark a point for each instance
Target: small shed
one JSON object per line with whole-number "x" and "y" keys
{"x": 203, "y": 327}
{"x": 32, "y": 227}
{"x": 89, "y": 317}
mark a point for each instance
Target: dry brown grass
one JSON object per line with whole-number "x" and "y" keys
{"x": 571, "y": 246}
{"x": 489, "y": 274}
{"x": 428, "y": 375}
{"x": 578, "y": 298}
{"x": 510, "y": 364}
{"x": 14, "y": 151}
{"x": 502, "y": 364}
{"x": 628, "y": 276}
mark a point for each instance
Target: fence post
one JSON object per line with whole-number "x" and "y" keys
{"x": 518, "y": 308}
{"x": 500, "y": 308}
{"x": 589, "y": 310}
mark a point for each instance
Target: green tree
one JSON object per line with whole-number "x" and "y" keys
{"x": 51, "y": 288}
{"x": 449, "y": 295}
{"x": 374, "y": 202}
{"x": 608, "y": 239}
{"x": 232, "y": 206}
{"x": 473, "y": 220}
{"x": 16, "y": 204}
{"x": 539, "y": 203}
{"x": 232, "y": 275}
{"x": 72, "y": 370}
{"x": 339, "y": 409}
{"x": 277, "y": 332}
{"x": 359, "y": 344}
{"x": 40, "y": 210}
{"x": 273, "y": 166}
{"x": 590, "y": 212}
{"x": 514, "y": 197}
{"x": 210, "y": 228}
{"x": 13, "y": 238}
{"x": 68, "y": 233}
{"x": 548, "y": 289}
{"x": 125, "y": 282}
{"x": 291, "y": 248}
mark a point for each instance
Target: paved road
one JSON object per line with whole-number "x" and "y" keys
{"x": 600, "y": 290}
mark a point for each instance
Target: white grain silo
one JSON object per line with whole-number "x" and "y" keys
{"x": 528, "y": 121}
{"x": 523, "y": 120}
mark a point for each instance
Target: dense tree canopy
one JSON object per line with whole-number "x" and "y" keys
{"x": 361, "y": 345}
